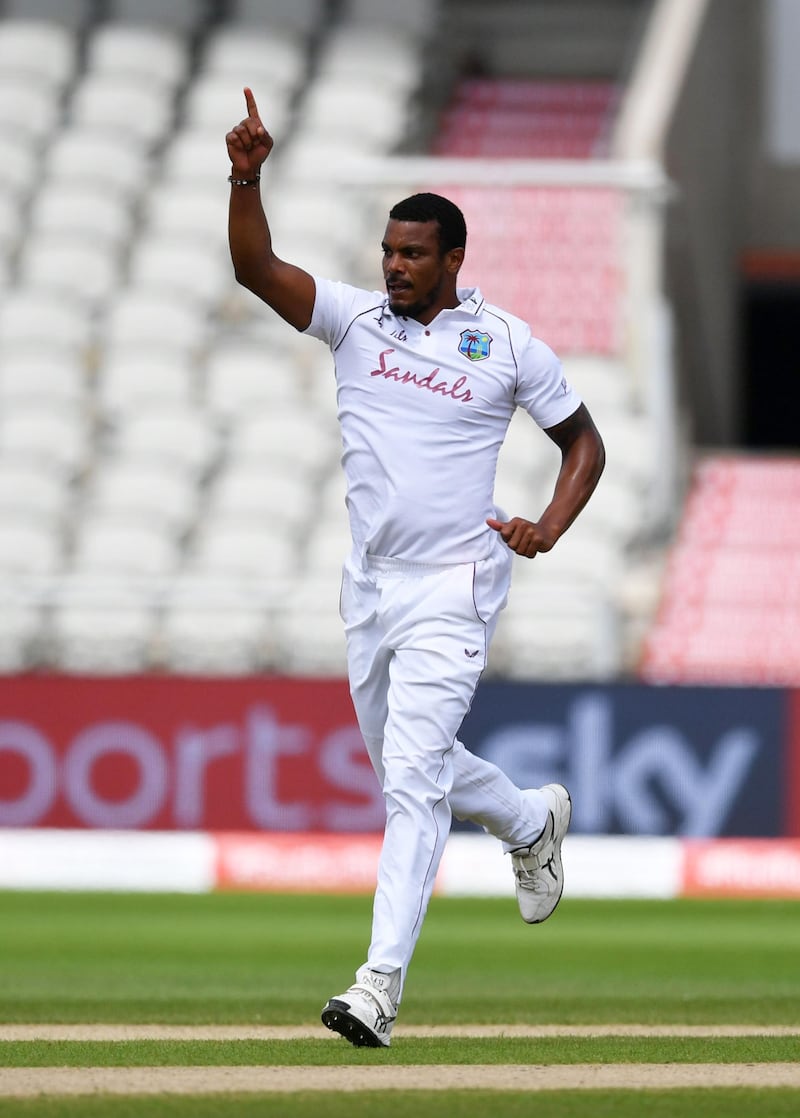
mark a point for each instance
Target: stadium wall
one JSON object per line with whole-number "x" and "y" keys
{"x": 271, "y": 754}
{"x": 194, "y": 785}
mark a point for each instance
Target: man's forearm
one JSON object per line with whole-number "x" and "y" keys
{"x": 249, "y": 237}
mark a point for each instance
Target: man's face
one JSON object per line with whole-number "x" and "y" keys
{"x": 420, "y": 279}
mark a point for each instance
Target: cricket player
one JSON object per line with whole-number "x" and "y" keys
{"x": 428, "y": 376}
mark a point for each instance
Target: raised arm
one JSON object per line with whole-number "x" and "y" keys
{"x": 582, "y": 460}
{"x": 286, "y": 288}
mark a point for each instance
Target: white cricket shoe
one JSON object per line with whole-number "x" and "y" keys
{"x": 537, "y": 868}
{"x": 365, "y": 1013}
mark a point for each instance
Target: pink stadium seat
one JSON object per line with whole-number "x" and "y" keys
{"x": 527, "y": 119}
{"x": 574, "y": 302}
{"x": 730, "y": 609}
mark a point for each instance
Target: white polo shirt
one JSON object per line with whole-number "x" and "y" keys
{"x": 423, "y": 412}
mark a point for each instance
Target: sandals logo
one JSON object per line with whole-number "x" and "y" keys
{"x": 475, "y": 345}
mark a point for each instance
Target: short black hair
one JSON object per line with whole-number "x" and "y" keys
{"x": 433, "y": 207}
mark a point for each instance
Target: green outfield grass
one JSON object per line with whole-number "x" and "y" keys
{"x": 261, "y": 959}
{"x": 272, "y": 959}
{"x": 421, "y": 1104}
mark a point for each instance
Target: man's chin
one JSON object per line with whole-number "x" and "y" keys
{"x": 403, "y": 308}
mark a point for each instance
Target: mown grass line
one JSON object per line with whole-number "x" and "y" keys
{"x": 266, "y": 959}
{"x": 409, "y": 1051}
{"x": 707, "y": 1103}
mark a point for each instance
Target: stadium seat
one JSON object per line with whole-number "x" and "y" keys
{"x": 81, "y": 210}
{"x": 107, "y": 638}
{"x": 309, "y": 635}
{"x": 153, "y": 54}
{"x": 18, "y": 165}
{"x": 291, "y": 439}
{"x": 356, "y": 111}
{"x": 357, "y": 49}
{"x": 111, "y": 544}
{"x": 557, "y": 634}
{"x": 327, "y": 547}
{"x": 214, "y": 103}
{"x": 199, "y": 157}
{"x": 244, "y": 382}
{"x": 37, "y": 105}
{"x": 133, "y": 107}
{"x": 11, "y": 230}
{"x": 31, "y": 493}
{"x": 184, "y": 16}
{"x": 135, "y": 379}
{"x": 142, "y": 317}
{"x": 21, "y": 624}
{"x": 245, "y": 550}
{"x": 188, "y": 210}
{"x": 86, "y": 157}
{"x": 255, "y": 56}
{"x": 72, "y": 15}
{"x": 417, "y": 16}
{"x": 252, "y": 494}
{"x": 70, "y": 265}
{"x": 28, "y": 547}
{"x": 195, "y": 272}
{"x": 303, "y": 16}
{"x": 44, "y": 51}
{"x": 143, "y": 494}
{"x": 222, "y": 640}
{"x": 43, "y": 378}
{"x": 52, "y": 438}
{"x": 730, "y": 603}
{"x": 175, "y": 435}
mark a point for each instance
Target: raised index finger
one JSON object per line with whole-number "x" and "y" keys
{"x": 250, "y": 101}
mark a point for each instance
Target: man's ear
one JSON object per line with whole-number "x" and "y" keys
{"x": 455, "y": 258}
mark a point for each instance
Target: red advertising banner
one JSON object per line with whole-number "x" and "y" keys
{"x": 741, "y": 868}
{"x": 297, "y": 863}
{"x": 188, "y": 754}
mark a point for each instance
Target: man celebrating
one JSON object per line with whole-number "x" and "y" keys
{"x": 427, "y": 378}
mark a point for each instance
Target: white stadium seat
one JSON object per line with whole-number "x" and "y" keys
{"x": 135, "y": 378}
{"x": 247, "y": 381}
{"x": 18, "y": 165}
{"x": 175, "y": 435}
{"x": 134, "y": 107}
{"x": 31, "y": 493}
{"x": 72, "y": 265}
{"x": 88, "y": 156}
{"x": 48, "y": 378}
{"x": 189, "y": 210}
{"x": 113, "y": 545}
{"x": 144, "y": 494}
{"x": 183, "y": 16}
{"x": 28, "y": 547}
{"x": 42, "y": 50}
{"x": 80, "y": 209}
{"x": 141, "y": 317}
{"x": 194, "y": 271}
{"x": 54, "y": 438}
{"x": 253, "y": 494}
{"x": 245, "y": 550}
{"x": 209, "y": 640}
{"x": 37, "y": 105}
{"x": 105, "y": 639}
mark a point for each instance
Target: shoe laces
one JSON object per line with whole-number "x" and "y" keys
{"x": 530, "y": 863}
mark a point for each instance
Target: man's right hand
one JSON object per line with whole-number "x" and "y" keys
{"x": 248, "y": 142}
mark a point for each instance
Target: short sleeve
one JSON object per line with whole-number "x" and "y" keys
{"x": 542, "y": 389}
{"x": 336, "y": 305}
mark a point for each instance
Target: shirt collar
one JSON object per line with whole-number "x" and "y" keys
{"x": 471, "y": 300}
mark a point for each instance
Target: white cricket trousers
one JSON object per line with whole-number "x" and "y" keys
{"x": 417, "y": 641}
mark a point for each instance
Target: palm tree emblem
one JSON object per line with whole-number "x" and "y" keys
{"x": 475, "y": 345}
